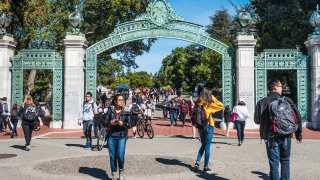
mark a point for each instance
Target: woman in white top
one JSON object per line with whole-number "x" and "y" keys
{"x": 242, "y": 114}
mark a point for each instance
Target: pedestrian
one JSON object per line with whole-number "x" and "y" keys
{"x": 194, "y": 129}
{"x": 14, "y": 117}
{"x": 183, "y": 109}
{"x": 173, "y": 108}
{"x": 148, "y": 111}
{"x": 278, "y": 140}
{"x": 87, "y": 111}
{"x": 28, "y": 112}
{"x": 210, "y": 106}
{"x": 117, "y": 136}
{"x": 242, "y": 115}
{"x": 226, "y": 116}
{"x": 5, "y": 114}
{"x": 136, "y": 111}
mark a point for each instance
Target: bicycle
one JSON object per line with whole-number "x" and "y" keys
{"x": 102, "y": 137}
{"x": 143, "y": 125}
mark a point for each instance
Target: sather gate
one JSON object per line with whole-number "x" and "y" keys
{"x": 159, "y": 21}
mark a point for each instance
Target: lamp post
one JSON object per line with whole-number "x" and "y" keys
{"x": 315, "y": 21}
{"x": 244, "y": 19}
{"x": 76, "y": 21}
{"x": 5, "y": 21}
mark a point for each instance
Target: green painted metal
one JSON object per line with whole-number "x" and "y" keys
{"x": 159, "y": 21}
{"x": 286, "y": 59}
{"x": 39, "y": 59}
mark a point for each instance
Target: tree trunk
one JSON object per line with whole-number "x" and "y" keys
{"x": 30, "y": 83}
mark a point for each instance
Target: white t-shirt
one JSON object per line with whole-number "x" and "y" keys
{"x": 242, "y": 112}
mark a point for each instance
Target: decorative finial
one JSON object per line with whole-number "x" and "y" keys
{"x": 244, "y": 18}
{"x": 76, "y": 19}
{"x": 315, "y": 21}
{"x": 5, "y": 21}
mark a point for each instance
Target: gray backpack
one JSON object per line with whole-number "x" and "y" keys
{"x": 283, "y": 118}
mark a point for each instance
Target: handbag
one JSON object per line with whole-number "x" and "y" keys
{"x": 233, "y": 117}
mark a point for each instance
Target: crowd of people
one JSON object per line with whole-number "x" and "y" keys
{"x": 277, "y": 115}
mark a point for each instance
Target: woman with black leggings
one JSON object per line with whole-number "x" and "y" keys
{"x": 28, "y": 112}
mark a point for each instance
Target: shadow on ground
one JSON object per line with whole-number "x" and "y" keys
{"x": 261, "y": 175}
{"x": 94, "y": 172}
{"x": 200, "y": 174}
{"x": 18, "y": 147}
{"x": 75, "y": 145}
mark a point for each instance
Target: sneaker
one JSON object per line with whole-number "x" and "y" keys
{"x": 12, "y": 135}
{"x": 27, "y": 148}
{"x": 206, "y": 169}
{"x": 122, "y": 176}
{"x": 87, "y": 147}
{"x": 196, "y": 167}
{"x": 113, "y": 176}
{"x": 239, "y": 144}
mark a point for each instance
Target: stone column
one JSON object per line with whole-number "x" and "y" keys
{"x": 245, "y": 81}
{"x": 313, "y": 45}
{"x": 75, "y": 47}
{"x": 7, "y": 48}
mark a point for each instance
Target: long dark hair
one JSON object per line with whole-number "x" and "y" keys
{"x": 115, "y": 98}
{"x": 206, "y": 95}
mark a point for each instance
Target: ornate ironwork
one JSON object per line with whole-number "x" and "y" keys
{"x": 315, "y": 21}
{"x": 160, "y": 22}
{"x": 39, "y": 59}
{"x": 290, "y": 59}
{"x": 5, "y": 21}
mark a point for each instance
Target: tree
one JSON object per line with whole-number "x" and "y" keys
{"x": 139, "y": 79}
{"x": 107, "y": 71}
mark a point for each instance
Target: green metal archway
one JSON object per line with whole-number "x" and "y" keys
{"x": 159, "y": 21}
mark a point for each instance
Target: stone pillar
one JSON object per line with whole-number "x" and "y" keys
{"x": 75, "y": 47}
{"x": 7, "y": 48}
{"x": 313, "y": 45}
{"x": 245, "y": 81}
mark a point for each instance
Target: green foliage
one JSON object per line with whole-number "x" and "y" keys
{"x": 118, "y": 81}
{"x": 107, "y": 71}
{"x": 139, "y": 79}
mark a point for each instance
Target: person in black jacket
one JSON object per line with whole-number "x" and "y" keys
{"x": 278, "y": 147}
{"x": 117, "y": 135}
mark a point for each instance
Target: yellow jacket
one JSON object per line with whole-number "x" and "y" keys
{"x": 211, "y": 108}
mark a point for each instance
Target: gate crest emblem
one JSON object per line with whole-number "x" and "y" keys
{"x": 159, "y": 12}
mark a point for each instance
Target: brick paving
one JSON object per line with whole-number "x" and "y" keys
{"x": 161, "y": 128}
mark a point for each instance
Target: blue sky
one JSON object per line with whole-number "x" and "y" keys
{"x": 197, "y": 11}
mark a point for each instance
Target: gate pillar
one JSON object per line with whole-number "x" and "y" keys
{"x": 244, "y": 65}
{"x": 7, "y": 47}
{"x": 313, "y": 45}
{"x": 75, "y": 46}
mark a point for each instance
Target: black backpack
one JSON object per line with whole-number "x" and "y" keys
{"x": 135, "y": 109}
{"x": 198, "y": 117}
{"x": 29, "y": 113}
{"x": 283, "y": 118}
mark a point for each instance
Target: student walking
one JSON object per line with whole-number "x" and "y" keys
{"x": 14, "y": 117}
{"x": 173, "y": 108}
{"x": 242, "y": 114}
{"x": 86, "y": 115}
{"x": 210, "y": 105}
{"x": 278, "y": 139}
{"x": 28, "y": 112}
{"x": 117, "y": 136}
{"x": 226, "y": 116}
{"x": 183, "y": 109}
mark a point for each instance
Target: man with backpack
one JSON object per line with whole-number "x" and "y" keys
{"x": 5, "y": 113}
{"x": 86, "y": 115}
{"x": 279, "y": 118}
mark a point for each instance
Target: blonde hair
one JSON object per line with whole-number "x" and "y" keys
{"x": 28, "y": 100}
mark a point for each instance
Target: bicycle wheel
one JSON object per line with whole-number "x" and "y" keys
{"x": 101, "y": 139}
{"x": 150, "y": 132}
{"x": 140, "y": 130}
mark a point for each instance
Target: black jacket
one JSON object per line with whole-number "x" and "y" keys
{"x": 262, "y": 116}
{"x": 111, "y": 114}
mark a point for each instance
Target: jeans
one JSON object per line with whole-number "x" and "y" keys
{"x": 240, "y": 129}
{"x": 183, "y": 117}
{"x": 206, "y": 135}
{"x": 87, "y": 127}
{"x": 96, "y": 131}
{"x": 117, "y": 147}
{"x": 14, "y": 126}
{"x": 27, "y": 130}
{"x": 279, "y": 149}
{"x": 173, "y": 118}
